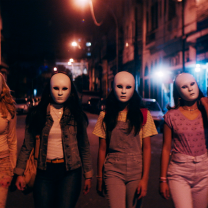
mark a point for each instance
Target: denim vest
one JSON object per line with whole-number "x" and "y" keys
{"x": 76, "y": 146}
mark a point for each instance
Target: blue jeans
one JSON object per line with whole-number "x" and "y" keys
{"x": 56, "y": 187}
{"x": 188, "y": 180}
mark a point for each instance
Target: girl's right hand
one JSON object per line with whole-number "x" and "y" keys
{"x": 100, "y": 186}
{"x": 20, "y": 183}
{"x": 164, "y": 190}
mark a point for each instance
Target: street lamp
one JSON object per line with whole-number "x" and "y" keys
{"x": 74, "y": 44}
{"x": 100, "y": 23}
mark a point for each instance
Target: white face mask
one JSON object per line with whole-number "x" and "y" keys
{"x": 60, "y": 86}
{"x": 187, "y": 87}
{"x": 124, "y": 84}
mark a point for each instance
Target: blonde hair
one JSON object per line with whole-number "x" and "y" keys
{"x": 6, "y": 100}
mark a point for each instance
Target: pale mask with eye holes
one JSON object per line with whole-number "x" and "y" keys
{"x": 124, "y": 85}
{"x": 187, "y": 87}
{"x": 60, "y": 86}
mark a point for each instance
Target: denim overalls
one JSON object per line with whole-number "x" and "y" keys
{"x": 123, "y": 167}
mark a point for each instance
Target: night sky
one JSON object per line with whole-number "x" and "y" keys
{"x": 42, "y": 28}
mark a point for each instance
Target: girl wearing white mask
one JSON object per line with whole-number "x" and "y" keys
{"x": 8, "y": 139}
{"x": 123, "y": 163}
{"x": 185, "y": 178}
{"x": 64, "y": 146}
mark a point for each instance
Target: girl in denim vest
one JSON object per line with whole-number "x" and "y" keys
{"x": 185, "y": 177}
{"x": 64, "y": 146}
{"x": 123, "y": 163}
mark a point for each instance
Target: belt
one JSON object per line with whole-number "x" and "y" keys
{"x": 55, "y": 161}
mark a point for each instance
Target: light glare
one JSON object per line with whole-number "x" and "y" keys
{"x": 160, "y": 74}
{"x": 74, "y": 43}
{"x": 198, "y": 68}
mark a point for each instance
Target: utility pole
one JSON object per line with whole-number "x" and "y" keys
{"x": 183, "y": 36}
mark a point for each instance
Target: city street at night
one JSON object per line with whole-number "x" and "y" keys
{"x": 153, "y": 199}
{"x": 59, "y": 58}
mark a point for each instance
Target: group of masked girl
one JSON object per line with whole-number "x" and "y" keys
{"x": 124, "y": 156}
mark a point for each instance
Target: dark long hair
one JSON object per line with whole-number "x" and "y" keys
{"x": 134, "y": 114}
{"x": 36, "y": 118}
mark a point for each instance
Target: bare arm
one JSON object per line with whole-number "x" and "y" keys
{"x": 12, "y": 141}
{"x": 204, "y": 102}
{"x": 142, "y": 188}
{"x": 101, "y": 156}
{"x": 100, "y": 163}
{"x": 167, "y": 138}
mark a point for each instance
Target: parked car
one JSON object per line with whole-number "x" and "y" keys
{"x": 22, "y": 105}
{"x": 36, "y": 100}
{"x": 155, "y": 111}
{"x": 95, "y": 105}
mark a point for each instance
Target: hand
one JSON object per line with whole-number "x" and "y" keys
{"x": 142, "y": 188}
{"x": 20, "y": 183}
{"x": 100, "y": 186}
{"x": 87, "y": 185}
{"x": 164, "y": 190}
{"x": 5, "y": 181}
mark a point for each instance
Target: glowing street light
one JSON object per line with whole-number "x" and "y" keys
{"x": 160, "y": 74}
{"x": 82, "y": 2}
{"x": 198, "y": 68}
{"x": 71, "y": 60}
{"x": 74, "y": 44}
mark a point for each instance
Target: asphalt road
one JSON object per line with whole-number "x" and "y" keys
{"x": 17, "y": 199}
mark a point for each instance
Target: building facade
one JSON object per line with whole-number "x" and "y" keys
{"x": 174, "y": 40}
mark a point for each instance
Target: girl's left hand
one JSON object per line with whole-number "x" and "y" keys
{"x": 142, "y": 188}
{"x": 87, "y": 185}
{"x": 5, "y": 181}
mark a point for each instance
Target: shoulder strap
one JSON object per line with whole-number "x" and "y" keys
{"x": 144, "y": 113}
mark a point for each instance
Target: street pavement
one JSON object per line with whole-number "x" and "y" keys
{"x": 153, "y": 199}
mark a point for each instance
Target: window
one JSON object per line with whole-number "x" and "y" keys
{"x": 133, "y": 30}
{"x": 147, "y": 21}
{"x": 165, "y": 7}
{"x": 146, "y": 71}
{"x": 154, "y": 16}
{"x": 127, "y": 33}
{"x": 171, "y": 9}
{"x": 151, "y": 66}
{"x": 146, "y": 88}
{"x": 160, "y": 8}
{"x": 155, "y": 63}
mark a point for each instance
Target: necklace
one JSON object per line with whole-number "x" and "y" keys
{"x": 59, "y": 115}
{"x": 188, "y": 109}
